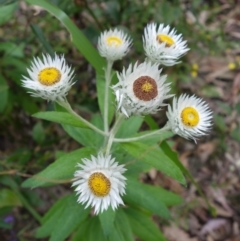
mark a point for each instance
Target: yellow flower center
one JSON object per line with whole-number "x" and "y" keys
{"x": 114, "y": 41}
{"x": 49, "y": 76}
{"x": 99, "y": 184}
{"x": 190, "y": 116}
{"x": 162, "y": 38}
{"x": 145, "y": 88}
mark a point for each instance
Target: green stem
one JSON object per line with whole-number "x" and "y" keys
{"x": 24, "y": 201}
{"x": 106, "y": 102}
{"x": 165, "y": 128}
{"x": 113, "y": 132}
{"x": 67, "y": 106}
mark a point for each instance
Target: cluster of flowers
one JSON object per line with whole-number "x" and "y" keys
{"x": 141, "y": 90}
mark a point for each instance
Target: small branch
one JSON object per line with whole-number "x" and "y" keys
{"x": 158, "y": 132}
{"x": 113, "y": 132}
{"x": 106, "y": 97}
{"x": 70, "y": 110}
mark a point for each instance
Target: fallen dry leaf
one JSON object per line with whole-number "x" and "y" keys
{"x": 174, "y": 233}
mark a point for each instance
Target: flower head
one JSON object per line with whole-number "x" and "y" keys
{"x": 163, "y": 46}
{"x": 100, "y": 183}
{"x": 141, "y": 90}
{"x": 49, "y": 78}
{"x": 189, "y": 117}
{"x": 113, "y": 44}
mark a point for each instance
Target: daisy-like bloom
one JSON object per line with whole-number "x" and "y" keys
{"x": 141, "y": 90}
{"x": 163, "y": 46}
{"x": 100, "y": 183}
{"x": 113, "y": 44}
{"x": 189, "y": 117}
{"x": 49, "y": 78}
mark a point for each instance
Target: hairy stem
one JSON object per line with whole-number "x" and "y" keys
{"x": 67, "y": 106}
{"x": 158, "y": 132}
{"x": 113, "y": 132}
{"x": 106, "y": 97}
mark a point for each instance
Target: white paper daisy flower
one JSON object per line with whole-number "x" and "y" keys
{"x": 141, "y": 90}
{"x": 49, "y": 78}
{"x": 189, "y": 117}
{"x": 113, "y": 44}
{"x": 100, "y": 183}
{"x": 163, "y": 46}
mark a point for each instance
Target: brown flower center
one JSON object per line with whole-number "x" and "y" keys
{"x": 145, "y": 88}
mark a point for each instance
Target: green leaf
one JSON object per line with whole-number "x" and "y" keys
{"x": 143, "y": 226}
{"x": 77, "y": 37}
{"x": 123, "y": 224}
{"x": 3, "y": 93}
{"x": 38, "y": 133}
{"x": 87, "y": 137}
{"x": 42, "y": 39}
{"x": 51, "y": 217}
{"x": 116, "y": 235}
{"x": 4, "y": 225}
{"x": 159, "y": 194}
{"x": 89, "y": 230}
{"x": 155, "y": 157}
{"x": 129, "y": 127}
{"x": 107, "y": 221}
{"x": 82, "y": 231}
{"x": 62, "y": 169}
{"x": 151, "y": 122}
{"x": 174, "y": 157}
{"x": 211, "y": 91}
{"x": 9, "y": 198}
{"x": 72, "y": 216}
{"x": 12, "y": 49}
{"x": 135, "y": 168}
{"x": 63, "y": 218}
{"x": 95, "y": 231}
{"x": 235, "y": 133}
{"x": 6, "y": 12}
{"x": 220, "y": 123}
{"x": 140, "y": 195}
{"x": 60, "y": 117}
{"x": 101, "y": 82}
{"x": 28, "y": 104}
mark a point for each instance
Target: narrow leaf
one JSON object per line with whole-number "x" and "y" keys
{"x": 87, "y": 137}
{"x": 77, "y": 37}
{"x": 130, "y": 126}
{"x": 89, "y": 230}
{"x": 3, "y": 93}
{"x": 61, "y": 117}
{"x": 174, "y": 157}
{"x": 9, "y": 198}
{"x": 143, "y": 226}
{"x": 123, "y": 224}
{"x": 71, "y": 217}
{"x": 42, "y": 39}
{"x": 6, "y": 12}
{"x": 107, "y": 221}
{"x": 62, "y": 169}
{"x": 155, "y": 157}
{"x": 51, "y": 217}
{"x": 139, "y": 194}
{"x": 101, "y": 82}
{"x": 82, "y": 231}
